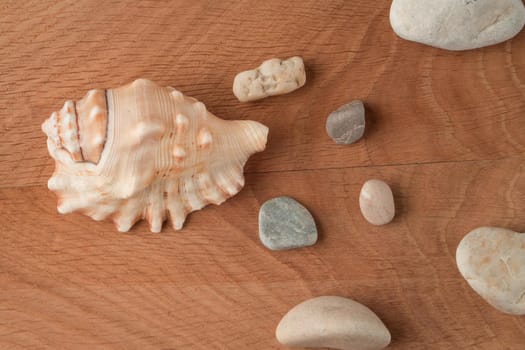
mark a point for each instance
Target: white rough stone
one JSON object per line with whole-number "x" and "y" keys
{"x": 272, "y": 77}
{"x": 492, "y": 260}
{"x": 457, "y": 24}
{"x": 332, "y": 322}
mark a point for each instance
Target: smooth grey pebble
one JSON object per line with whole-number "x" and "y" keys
{"x": 346, "y": 125}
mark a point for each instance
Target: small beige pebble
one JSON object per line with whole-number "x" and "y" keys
{"x": 492, "y": 260}
{"x": 332, "y": 322}
{"x": 377, "y": 202}
{"x": 272, "y": 77}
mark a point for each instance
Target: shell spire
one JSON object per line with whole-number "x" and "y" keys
{"x": 143, "y": 151}
{"x": 79, "y": 128}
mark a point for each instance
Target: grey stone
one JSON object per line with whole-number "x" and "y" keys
{"x": 285, "y": 224}
{"x": 457, "y": 24}
{"x": 346, "y": 125}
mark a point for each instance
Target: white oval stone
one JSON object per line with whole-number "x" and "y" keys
{"x": 377, "y": 202}
{"x": 457, "y": 24}
{"x": 332, "y": 322}
{"x": 492, "y": 260}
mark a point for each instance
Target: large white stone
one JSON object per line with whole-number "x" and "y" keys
{"x": 492, "y": 260}
{"x": 457, "y": 24}
{"x": 332, "y": 322}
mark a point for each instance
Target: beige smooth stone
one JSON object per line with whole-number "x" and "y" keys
{"x": 333, "y": 322}
{"x": 377, "y": 202}
{"x": 272, "y": 77}
{"x": 492, "y": 260}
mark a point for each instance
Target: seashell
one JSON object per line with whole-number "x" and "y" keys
{"x": 143, "y": 151}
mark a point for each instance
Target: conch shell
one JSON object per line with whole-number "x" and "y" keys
{"x": 143, "y": 151}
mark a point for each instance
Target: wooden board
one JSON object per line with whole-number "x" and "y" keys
{"x": 446, "y": 129}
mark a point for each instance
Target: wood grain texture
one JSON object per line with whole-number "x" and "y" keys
{"x": 445, "y": 129}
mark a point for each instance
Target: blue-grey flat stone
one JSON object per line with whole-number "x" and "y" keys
{"x": 285, "y": 224}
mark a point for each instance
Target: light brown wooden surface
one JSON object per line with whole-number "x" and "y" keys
{"x": 445, "y": 129}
